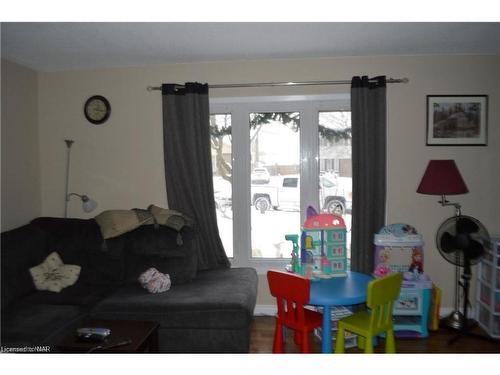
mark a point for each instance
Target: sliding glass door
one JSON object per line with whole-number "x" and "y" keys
{"x": 273, "y": 157}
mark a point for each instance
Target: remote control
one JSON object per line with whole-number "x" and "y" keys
{"x": 93, "y": 333}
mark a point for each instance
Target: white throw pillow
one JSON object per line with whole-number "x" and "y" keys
{"x": 53, "y": 275}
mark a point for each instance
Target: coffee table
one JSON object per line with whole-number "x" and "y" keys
{"x": 141, "y": 337}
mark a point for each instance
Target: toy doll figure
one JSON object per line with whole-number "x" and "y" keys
{"x": 416, "y": 261}
{"x": 382, "y": 268}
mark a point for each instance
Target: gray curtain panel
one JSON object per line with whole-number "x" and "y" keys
{"x": 368, "y": 107}
{"x": 188, "y": 167}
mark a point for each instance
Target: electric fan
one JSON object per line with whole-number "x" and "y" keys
{"x": 462, "y": 241}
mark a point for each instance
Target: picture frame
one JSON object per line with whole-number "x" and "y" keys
{"x": 457, "y": 120}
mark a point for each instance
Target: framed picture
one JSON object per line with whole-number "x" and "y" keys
{"x": 457, "y": 120}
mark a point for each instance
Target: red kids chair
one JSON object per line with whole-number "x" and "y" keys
{"x": 292, "y": 293}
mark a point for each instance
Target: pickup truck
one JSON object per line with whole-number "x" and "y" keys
{"x": 284, "y": 192}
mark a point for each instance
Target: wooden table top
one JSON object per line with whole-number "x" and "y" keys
{"x": 135, "y": 331}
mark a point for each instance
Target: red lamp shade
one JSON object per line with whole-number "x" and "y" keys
{"x": 442, "y": 178}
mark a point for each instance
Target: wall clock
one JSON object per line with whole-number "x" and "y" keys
{"x": 97, "y": 109}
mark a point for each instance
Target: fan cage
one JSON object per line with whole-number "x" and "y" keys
{"x": 457, "y": 257}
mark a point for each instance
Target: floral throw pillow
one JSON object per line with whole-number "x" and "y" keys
{"x": 53, "y": 275}
{"x": 154, "y": 281}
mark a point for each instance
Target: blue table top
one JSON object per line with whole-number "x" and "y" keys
{"x": 348, "y": 290}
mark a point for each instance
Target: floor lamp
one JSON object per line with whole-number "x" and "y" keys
{"x": 443, "y": 178}
{"x": 88, "y": 204}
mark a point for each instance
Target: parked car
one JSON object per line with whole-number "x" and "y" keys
{"x": 336, "y": 194}
{"x": 284, "y": 192}
{"x": 260, "y": 176}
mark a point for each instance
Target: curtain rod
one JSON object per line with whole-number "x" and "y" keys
{"x": 268, "y": 84}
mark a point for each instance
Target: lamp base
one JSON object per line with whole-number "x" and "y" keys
{"x": 456, "y": 320}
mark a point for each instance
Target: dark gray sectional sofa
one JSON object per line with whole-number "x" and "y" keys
{"x": 207, "y": 311}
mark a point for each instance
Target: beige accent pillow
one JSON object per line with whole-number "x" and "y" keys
{"x": 53, "y": 275}
{"x": 114, "y": 223}
{"x": 169, "y": 218}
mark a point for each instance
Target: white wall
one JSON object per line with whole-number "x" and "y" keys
{"x": 20, "y": 152}
{"x": 120, "y": 163}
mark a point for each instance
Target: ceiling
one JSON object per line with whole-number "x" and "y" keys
{"x": 65, "y": 46}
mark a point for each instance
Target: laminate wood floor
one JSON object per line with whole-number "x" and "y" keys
{"x": 262, "y": 334}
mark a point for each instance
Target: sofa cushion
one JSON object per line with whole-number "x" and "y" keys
{"x": 69, "y": 237}
{"x": 216, "y": 299}
{"x": 161, "y": 241}
{"x": 150, "y": 246}
{"x": 79, "y": 241}
{"x": 33, "y": 325}
{"x": 80, "y": 294}
{"x": 204, "y": 340}
{"x": 22, "y": 248}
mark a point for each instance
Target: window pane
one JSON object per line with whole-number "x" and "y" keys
{"x": 220, "y": 135}
{"x": 275, "y": 185}
{"x": 290, "y": 182}
{"x": 335, "y": 166}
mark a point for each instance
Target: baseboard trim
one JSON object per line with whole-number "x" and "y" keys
{"x": 270, "y": 310}
{"x": 265, "y": 310}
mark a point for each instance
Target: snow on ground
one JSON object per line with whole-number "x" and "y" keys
{"x": 268, "y": 232}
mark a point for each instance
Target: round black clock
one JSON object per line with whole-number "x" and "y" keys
{"x": 97, "y": 109}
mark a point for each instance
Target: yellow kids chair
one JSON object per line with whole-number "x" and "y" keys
{"x": 380, "y": 300}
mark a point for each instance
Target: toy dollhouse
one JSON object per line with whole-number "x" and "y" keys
{"x": 322, "y": 251}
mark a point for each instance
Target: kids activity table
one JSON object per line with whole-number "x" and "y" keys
{"x": 335, "y": 291}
